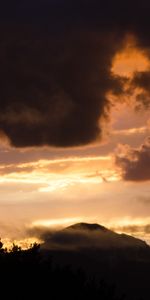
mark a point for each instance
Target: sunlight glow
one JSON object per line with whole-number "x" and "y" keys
{"x": 126, "y": 221}
{"x": 56, "y": 222}
{"x": 129, "y": 61}
{"x": 131, "y": 131}
{"x": 58, "y": 174}
{"x": 23, "y": 243}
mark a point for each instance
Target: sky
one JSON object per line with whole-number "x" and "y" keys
{"x": 74, "y": 116}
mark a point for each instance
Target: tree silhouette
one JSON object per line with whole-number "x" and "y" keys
{"x": 36, "y": 274}
{"x": 1, "y": 246}
{"x": 15, "y": 248}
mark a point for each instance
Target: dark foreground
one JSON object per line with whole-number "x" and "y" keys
{"x": 70, "y": 275}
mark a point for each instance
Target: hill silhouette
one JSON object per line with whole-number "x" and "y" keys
{"x": 87, "y": 226}
{"x": 90, "y": 236}
{"x": 119, "y": 259}
{"x": 73, "y": 264}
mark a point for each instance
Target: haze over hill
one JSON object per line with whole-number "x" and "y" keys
{"x": 89, "y": 236}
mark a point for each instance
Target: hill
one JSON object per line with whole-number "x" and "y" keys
{"x": 119, "y": 259}
{"x": 90, "y": 236}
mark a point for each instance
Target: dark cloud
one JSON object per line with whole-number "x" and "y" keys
{"x": 54, "y": 92}
{"x": 55, "y": 59}
{"x": 135, "y": 163}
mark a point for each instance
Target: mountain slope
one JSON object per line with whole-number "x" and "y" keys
{"x": 86, "y": 226}
{"x": 90, "y": 236}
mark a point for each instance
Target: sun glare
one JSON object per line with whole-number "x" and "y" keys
{"x": 55, "y": 222}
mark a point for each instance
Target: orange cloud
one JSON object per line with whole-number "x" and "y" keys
{"x": 130, "y": 60}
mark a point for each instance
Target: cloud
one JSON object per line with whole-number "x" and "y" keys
{"x": 142, "y": 80}
{"x": 11, "y": 231}
{"x": 144, "y": 200}
{"x": 53, "y": 89}
{"x": 70, "y": 165}
{"x": 56, "y": 59}
{"x": 134, "y": 229}
{"x": 134, "y": 163}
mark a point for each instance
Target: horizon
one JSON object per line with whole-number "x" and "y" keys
{"x": 46, "y": 229}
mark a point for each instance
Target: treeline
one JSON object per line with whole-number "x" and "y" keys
{"x": 28, "y": 274}
{"x": 32, "y": 274}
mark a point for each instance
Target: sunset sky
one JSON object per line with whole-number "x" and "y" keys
{"x": 74, "y": 116}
